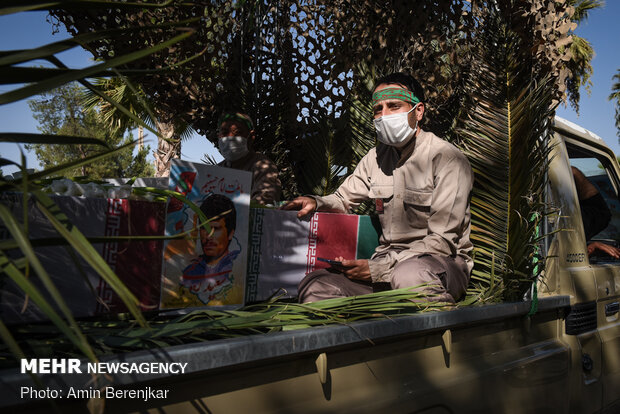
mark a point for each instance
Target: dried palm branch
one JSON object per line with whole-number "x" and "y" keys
{"x": 503, "y": 130}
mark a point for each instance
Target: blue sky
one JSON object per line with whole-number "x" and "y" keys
{"x": 596, "y": 113}
{"x": 27, "y": 30}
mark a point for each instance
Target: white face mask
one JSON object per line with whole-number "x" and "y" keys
{"x": 233, "y": 148}
{"x": 394, "y": 129}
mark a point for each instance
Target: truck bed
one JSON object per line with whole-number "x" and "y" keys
{"x": 258, "y": 371}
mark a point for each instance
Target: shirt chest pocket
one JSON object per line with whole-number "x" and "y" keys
{"x": 382, "y": 191}
{"x": 384, "y": 199}
{"x": 417, "y": 207}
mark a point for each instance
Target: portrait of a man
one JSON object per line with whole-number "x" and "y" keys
{"x": 209, "y": 276}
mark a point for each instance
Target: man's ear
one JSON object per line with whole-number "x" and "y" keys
{"x": 419, "y": 111}
{"x": 230, "y": 235}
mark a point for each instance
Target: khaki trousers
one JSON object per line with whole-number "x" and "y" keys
{"x": 446, "y": 279}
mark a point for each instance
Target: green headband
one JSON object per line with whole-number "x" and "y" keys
{"x": 236, "y": 116}
{"x": 394, "y": 93}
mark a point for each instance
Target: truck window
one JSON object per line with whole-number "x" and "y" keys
{"x": 598, "y": 199}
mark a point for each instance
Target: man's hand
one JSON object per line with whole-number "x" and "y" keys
{"x": 305, "y": 205}
{"x": 355, "y": 269}
{"x": 605, "y": 248}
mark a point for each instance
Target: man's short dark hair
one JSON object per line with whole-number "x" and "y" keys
{"x": 215, "y": 205}
{"x": 405, "y": 80}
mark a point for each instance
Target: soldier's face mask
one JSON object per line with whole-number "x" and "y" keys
{"x": 233, "y": 148}
{"x": 395, "y": 129}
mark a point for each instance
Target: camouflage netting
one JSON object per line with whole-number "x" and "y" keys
{"x": 304, "y": 70}
{"x": 297, "y": 66}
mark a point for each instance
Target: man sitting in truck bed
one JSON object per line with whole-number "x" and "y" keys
{"x": 421, "y": 186}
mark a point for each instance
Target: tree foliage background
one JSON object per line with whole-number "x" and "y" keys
{"x": 61, "y": 111}
{"x": 298, "y": 66}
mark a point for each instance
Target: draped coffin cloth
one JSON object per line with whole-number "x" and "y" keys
{"x": 283, "y": 249}
{"x": 85, "y": 292}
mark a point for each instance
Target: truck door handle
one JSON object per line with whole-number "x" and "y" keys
{"x": 612, "y": 308}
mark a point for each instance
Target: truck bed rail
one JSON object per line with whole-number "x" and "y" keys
{"x": 207, "y": 358}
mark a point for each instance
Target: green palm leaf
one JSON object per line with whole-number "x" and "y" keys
{"x": 48, "y": 138}
{"x": 72, "y": 331}
{"x": 14, "y": 57}
{"x": 325, "y": 151}
{"x": 59, "y": 169}
{"x": 583, "y": 8}
{"x": 502, "y": 131}
{"x": 10, "y": 7}
{"x": 20, "y": 269}
{"x": 50, "y": 83}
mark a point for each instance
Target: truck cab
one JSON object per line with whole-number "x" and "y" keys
{"x": 592, "y": 281}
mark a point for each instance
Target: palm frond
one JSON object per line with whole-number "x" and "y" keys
{"x": 503, "y": 132}
{"x": 326, "y": 152}
{"x": 71, "y": 329}
{"x": 360, "y": 115}
{"x": 56, "y": 81}
{"x": 583, "y": 8}
{"x": 20, "y": 269}
{"x": 125, "y": 105}
{"x": 580, "y": 66}
{"x": 120, "y": 334}
{"x": 116, "y": 91}
{"x": 209, "y": 159}
{"x": 581, "y": 52}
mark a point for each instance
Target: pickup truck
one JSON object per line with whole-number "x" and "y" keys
{"x": 500, "y": 358}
